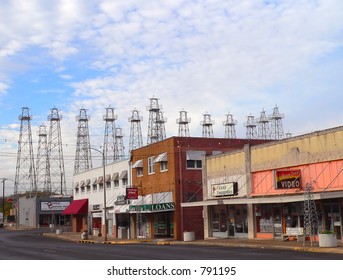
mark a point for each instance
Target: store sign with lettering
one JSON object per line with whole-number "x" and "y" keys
{"x": 160, "y": 207}
{"x": 132, "y": 193}
{"x": 287, "y": 179}
{"x": 54, "y": 205}
{"x": 121, "y": 200}
{"x": 225, "y": 189}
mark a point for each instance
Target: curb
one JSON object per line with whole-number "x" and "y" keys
{"x": 86, "y": 241}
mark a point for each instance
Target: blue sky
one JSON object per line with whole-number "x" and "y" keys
{"x": 200, "y": 56}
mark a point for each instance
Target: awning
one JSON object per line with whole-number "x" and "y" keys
{"x": 161, "y": 157}
{"x": 194, "y": 155}
{"x": 88, "y": 182}
{"x": 77, "y": 207}
{"x": 108, "y": 178}
{"x": 76, "y": 185}
{"x": 123, "y": 175}
{"x": 82, "y": 184}
{"x": 138, "y": 164}
{"x": 100, "y": 179}
{"x": 115, "y": 176}
{"x": 94, "y": 181}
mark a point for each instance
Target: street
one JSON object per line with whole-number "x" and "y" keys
{"x": 32, "y": 245}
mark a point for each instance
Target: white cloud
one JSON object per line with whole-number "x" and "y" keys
{"x": 202, "y": 56}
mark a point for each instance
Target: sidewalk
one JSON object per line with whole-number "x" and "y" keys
{"x": 230, "y": 242}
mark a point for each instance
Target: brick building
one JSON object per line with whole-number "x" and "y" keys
{"x": 168, "y": 173}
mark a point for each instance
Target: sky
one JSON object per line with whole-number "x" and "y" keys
{"x": 205, "y": 57}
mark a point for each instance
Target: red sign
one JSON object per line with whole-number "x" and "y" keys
{"x": 287, "y": 179}
{"x": 131, "y": 193}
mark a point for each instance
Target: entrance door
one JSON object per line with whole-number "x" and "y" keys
{"x": 332, "y": 218}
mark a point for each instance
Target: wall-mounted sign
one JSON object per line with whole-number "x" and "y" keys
{"x": 287, "y": 179}
{"x": 160, "y": 207}
{"x": 54, "y": 205}
{"x": 121, "y": 200}
{"x": 96, "y": 207}
{"x": 224, "y": 189}
{"x": 132, "y": 193}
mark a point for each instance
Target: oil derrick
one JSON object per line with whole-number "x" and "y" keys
{"x": 55, "y": 154}
{"x": 207, "y": 126}
{"x": 119, "y": 144}
{"x": 251, "y": 127}
{"x": 311, "y": 220}
{"x": 230, "y": 126}
{"x": 183, "y": 122}
{"x": 43, "y": 167}
{"x": 25, "y": 176}
{"x": 109, "y": 139}
{"x": 83, "y": 155}
{"x": 263, "y": 126}
{"x": 276, "y": 127}
{"x": 159, "y": 132}
{"x": 156, "y": 128}
{"x": 136, "y": 140}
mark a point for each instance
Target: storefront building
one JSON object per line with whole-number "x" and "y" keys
{"x": 260, "y": 191}
{"x": 166, "y": 174}
{"x": 91, "y": 185}
{"x": 43, "y": 211}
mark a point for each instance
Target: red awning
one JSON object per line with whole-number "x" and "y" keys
{"x": 79, "y": 206}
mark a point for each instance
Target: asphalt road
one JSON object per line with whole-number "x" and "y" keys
{"x": 32, "y": 245}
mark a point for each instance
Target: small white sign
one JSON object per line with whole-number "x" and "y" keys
{"x": 224, "y": 189}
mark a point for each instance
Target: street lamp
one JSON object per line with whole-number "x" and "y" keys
{"x": 104, "y": 187}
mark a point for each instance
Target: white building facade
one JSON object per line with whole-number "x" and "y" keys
{"x": 92, "y": 185}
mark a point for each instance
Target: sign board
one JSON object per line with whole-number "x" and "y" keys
{"x": 287, "y": 179}
{"x": 121, "y": 200}
{"x": 160, "y": 207}
{"x": 54, "y": 205}
{"x": 132, "y": 193}
{"x": 225, "y": 189}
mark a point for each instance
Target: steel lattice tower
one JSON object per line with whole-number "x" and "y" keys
{"x": 55, "y": 151}
{"x": 276, "y": 124}
{"x": 83, "y": 155}
{"x": 156, "y": 122}
{"x": 109, "y": 139}
{"x": 230, "y": 129}
{"x": 25, "y": 176}
{"x": 207, "y": 126}
{"x": 159, "y": 132}
{"x": 183, "y": 122}
{"x": 136, "y": 140}
{"x": 263, "y": 126}
{"x": 43, "y": 167}
{"x": 251, "y": 127}
{"x": 311, "y": 220}
{"x": 119, "y": 144}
